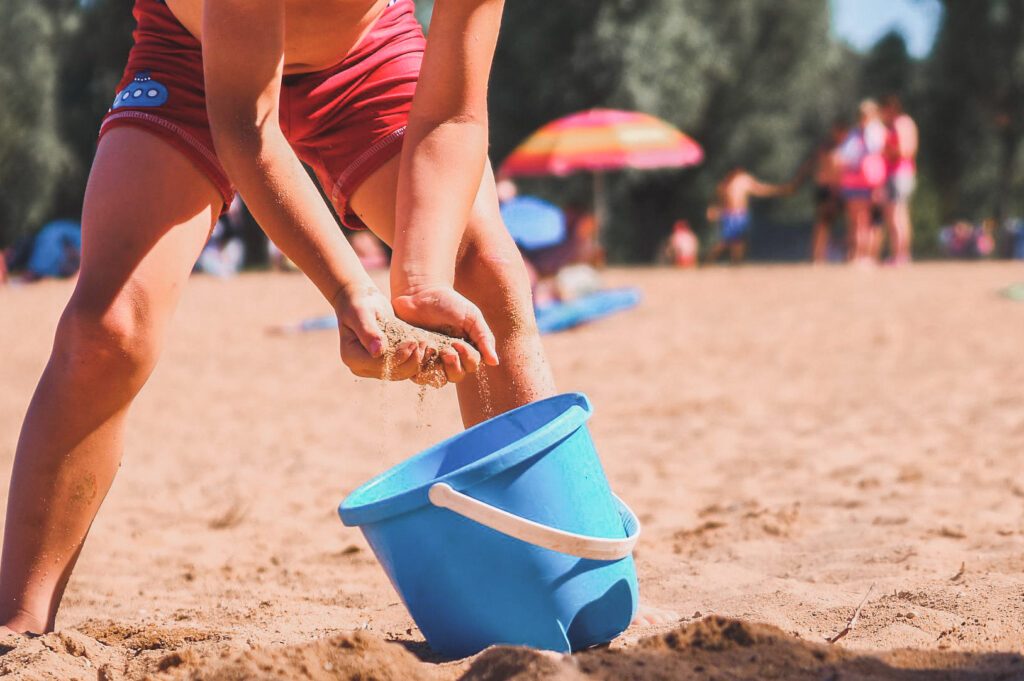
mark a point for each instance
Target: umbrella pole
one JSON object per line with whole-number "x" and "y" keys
{"x": 600, "y": 204}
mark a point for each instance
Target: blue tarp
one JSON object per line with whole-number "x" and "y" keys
{"x": 551, "y": 318}
{"x": 561, "y": 316}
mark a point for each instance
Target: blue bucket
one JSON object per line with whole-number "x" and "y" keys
{"x": 506, "y": 534}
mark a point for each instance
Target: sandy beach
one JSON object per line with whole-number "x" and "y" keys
{"x": 793, "y": 439}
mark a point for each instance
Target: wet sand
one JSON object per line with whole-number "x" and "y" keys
{"x": 791, "y": 438}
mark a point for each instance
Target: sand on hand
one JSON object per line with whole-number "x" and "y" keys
{"x": 431, "y": 371}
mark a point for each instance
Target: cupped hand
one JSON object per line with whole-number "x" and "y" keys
{"x": 442, "y": 309}
{"x": 365, "y": 348}
{"x": 376, "y": 344}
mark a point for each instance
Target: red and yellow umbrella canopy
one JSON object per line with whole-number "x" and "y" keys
{"x": 599, "y": 140}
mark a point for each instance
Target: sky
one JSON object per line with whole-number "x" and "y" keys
{"x": 862, "y": 22}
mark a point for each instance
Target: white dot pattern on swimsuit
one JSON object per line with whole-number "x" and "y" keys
{"x": 152, "y": 95}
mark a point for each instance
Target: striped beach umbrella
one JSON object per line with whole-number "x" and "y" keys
{"x": 600, "y": 140}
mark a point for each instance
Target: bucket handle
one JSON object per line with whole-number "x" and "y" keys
{"x": 594, "y": 548}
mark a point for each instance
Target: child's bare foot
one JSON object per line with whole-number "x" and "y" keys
{"x": 649, "y": 616}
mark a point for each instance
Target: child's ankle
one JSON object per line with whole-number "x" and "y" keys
{"x": 22, "y": 622}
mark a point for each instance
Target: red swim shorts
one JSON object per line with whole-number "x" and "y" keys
{"x": 345, "y": 121}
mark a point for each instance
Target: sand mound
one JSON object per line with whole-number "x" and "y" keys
{"x": 70, "y": 656}
{"x": 522, "y": 664}
{"x": 139, "y": 637}
{"x": 729, "y": 649}
{"x": 346, "y": 656}
{"x": 715, "y": 647}
{"x": 734, "y": 650}
{"x": 73, "y": 656}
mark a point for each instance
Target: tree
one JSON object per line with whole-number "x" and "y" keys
{"x": 92, "y": 60}
{"x": 976, "y": 114}
{"x": 32, "y": 155}
{"x": 888, "y": 68}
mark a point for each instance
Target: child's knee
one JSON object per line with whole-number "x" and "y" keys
{"x": 492, "y": 273}
{"x": 105, "y": 343}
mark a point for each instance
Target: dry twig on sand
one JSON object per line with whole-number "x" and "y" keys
{"x": 853, "y": 620}
{"x": 231, "y": 517}
{"x": 959, "y": 575}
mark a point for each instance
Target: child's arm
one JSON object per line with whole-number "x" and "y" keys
{"x": 243, "y": 43}
{"x": 764, "y": 190}
{"x": 442, "y": 166}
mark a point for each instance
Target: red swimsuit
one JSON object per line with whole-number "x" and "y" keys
{"x": 345, "y": 121}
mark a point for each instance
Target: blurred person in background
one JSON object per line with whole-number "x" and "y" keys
{"x": 731, "y": 211}
{"x": 368, "y": 249}
{"x": 682, "y": 246}
{"x": 828, "y": 201}
{"x": 224, "y": 252}
{"x": 901, "y": 170}
{"x": 863, "y": 174}
{"x": 581, "y": 223}
{"x": 963, "y": 239}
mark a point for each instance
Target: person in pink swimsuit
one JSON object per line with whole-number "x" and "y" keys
{"x": 863, "y": 174}
{"x": 901, "y": 170}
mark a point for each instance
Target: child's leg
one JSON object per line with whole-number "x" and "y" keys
{"x": 897, "y": 221}
{"x": 858, "y": 224}
{"x": 738, "y": 251}
{"x": 906, "y": 230}
{"x": 491, "y": 273}
{"x": 147, "y": 213}
{"x": 819, "y": 242}
{"x": 716, "y": 251}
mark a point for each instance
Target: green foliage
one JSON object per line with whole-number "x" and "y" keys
{"x": 32, "y": 155}
{"x": 888, "y": 69}
{"x": 926, "y": 209}
{"x": 975, "y": 108}
{"x": 59, "y": 63}
{"x": 93, "y": 57}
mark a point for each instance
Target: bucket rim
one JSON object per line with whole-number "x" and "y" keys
{"x": 577, "y": 412}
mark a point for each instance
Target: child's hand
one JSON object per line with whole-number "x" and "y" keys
{"x": 376, "y": 344}
{"x": 363, "y": 343}
{"x": 441, "y": 308}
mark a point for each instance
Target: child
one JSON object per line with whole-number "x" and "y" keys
{"x": 732, "y": 211}
{"x": 863, "y": 174}
{"x": 225, "y": 94}
{"x": 682, "y": 246}
{"x": 828, "y": 201}
{"x": 901, "y": 166}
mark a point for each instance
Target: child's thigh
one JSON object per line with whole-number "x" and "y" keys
{"x": 147, "y": 214}
{"x": 373, "y": 201}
